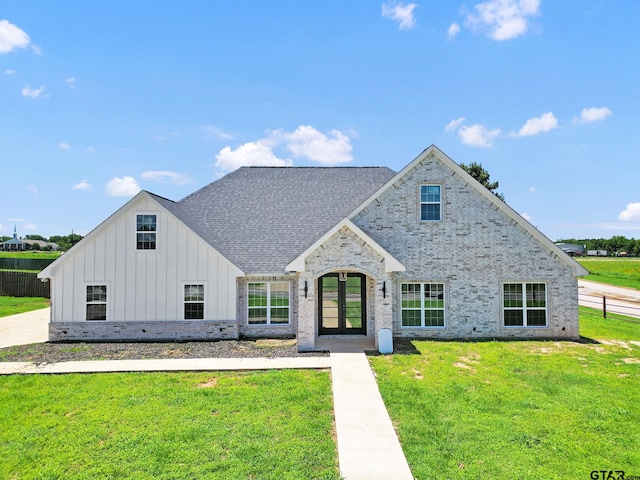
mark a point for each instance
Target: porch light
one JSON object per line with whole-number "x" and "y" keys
{"x": 306, "y": 289}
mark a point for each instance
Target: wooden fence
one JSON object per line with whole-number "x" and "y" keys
{"x": 23, "y": 284}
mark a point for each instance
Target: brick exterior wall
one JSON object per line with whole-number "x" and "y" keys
{"x": 473, "y": 250}
{"x": 143, "y": 331}
{"x": 343, "y": 252}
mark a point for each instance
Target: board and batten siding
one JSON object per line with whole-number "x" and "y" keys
{"x": 143, "y": 285}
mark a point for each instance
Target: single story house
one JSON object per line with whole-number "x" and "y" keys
{"x": 426, "y": 252}
{"x": 16, "y": 244}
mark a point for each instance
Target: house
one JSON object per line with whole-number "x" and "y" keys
{"x": 426, "y": 252}
{"x": 16, "y": 244}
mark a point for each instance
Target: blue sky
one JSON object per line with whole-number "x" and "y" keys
{"x": 101, "y": 99}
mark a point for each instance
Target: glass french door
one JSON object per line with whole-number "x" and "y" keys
{"x": 342, "y": 304}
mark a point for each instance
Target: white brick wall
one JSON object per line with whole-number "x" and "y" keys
{"x": 473, "y": 250}
{"x": 143, "y": 331}
{"x": 343, "y": 252}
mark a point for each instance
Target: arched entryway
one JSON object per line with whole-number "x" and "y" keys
{"x": 342, "y": 304}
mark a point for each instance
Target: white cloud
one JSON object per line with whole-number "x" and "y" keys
{"x": 33, "y": 92}
{"x": 90, "y": 150}
{"x": 401, "y": 13}
{"x": 306, "y": 141}
{"x": 164, "y": 176}
{"x": 211, "y": 132}
{"x": 9, "y": 71}
{"x": 33, "y": 189}
{"x": 64, "y": 146}
{"x": 527, "y": 217}
{"x": 503, "y": 19}
{"x": 29, "y": 226}
{"x": 83, "y": 185}
{"x": 533, "y": 190}
{"x": 631, "y": 213}
{"x": 454, "y": 124}
{"x": 478, "y": 135}
{"x": 122, "y": 187}
{"x": 593, "y": 114}
{"x": 71, "y": 82}
{"x": 536, "y": 125}
{"x": 453, "y": 30}
{"x": 12, "y": 37}
{"x": 249, "y": 154}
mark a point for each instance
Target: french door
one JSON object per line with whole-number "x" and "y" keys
{"x": 342, "y": 304}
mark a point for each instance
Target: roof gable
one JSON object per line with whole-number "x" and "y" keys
{"x": 435, "y": 152}
{"x": 171, "y": 207}
{"x": 390, "y": 263}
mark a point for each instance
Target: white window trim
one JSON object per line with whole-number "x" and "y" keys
{"x": 422, "y": 326}
{"x": 420, "y": 202}
{"x": 106, "y": 303}
{"x": 204, "y": 302}
{"x": 157, "y": 231}
{"x": 524, "y": 308}
{"x": 269, "y": 307}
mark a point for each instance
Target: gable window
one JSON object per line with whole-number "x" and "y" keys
{"x": 525, "y": 304}
{"x": 146, "y": 232}
{"x": 430, "y": 203}
{"x": 422, "y": 304}
{"x": 268, "y": 303}
{"x": 96, "y": 302}
{"x": 194, "y": 302}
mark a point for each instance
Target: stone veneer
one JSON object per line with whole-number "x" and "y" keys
{"x": 143, "y": 331}
{"x": 473, "y": 251}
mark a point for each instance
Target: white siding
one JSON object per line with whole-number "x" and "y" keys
{"x": 143, "y": 285}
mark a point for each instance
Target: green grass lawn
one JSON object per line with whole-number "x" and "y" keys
{"x": 31, "y": 254}
{"x": 624, "y": 272}
{"x": 13, "y": 305}
{"x": 261, "y": 425}
{"x": 519, "y": 410}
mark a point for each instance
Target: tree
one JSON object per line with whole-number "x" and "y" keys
{"x": 36, "y": 237}
{"x": 482, "y": 176}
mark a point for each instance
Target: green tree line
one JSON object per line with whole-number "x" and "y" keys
{"x": 612, "y": 245}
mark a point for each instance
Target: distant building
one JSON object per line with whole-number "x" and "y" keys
{"x": 572, "y": 249}
{"x": 16, "y": 244}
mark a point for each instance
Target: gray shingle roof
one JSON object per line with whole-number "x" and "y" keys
{"x": 261, "y": 218}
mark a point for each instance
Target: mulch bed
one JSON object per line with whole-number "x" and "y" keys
{"x": 64, "y": 352}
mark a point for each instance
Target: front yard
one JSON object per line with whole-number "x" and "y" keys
{"x": 262, "y": 425}
{"x": 528, "y": 409}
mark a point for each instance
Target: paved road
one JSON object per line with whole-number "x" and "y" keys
{"x": 25, "y": 328}
{"x": 625, "y": 301}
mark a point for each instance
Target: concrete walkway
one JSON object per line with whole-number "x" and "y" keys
{"x": 368, "y": 447}
{"x": 25, "y": 328}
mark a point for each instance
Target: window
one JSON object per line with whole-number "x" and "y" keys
{"x": 194, "y": 302}
{"x": 525, "y": 304}
{"x": 96, "y": 302}
{"x": 146, "y": 232}
{"x": 268, "y": 303}
{"x": 422, "y": 304}
{"x": 430, "y": 203}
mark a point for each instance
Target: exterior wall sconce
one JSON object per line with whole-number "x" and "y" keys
{"x": 384, "y": 289}
{"x": 306, "y": 289}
